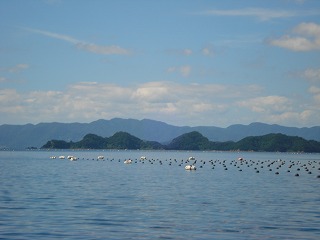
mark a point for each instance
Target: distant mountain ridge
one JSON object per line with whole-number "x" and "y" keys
{"x": 30, "y": 135}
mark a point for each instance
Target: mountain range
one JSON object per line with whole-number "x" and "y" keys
{"x": 35, "y": 135}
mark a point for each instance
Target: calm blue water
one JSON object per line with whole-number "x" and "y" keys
{"x": 42, "y": 198}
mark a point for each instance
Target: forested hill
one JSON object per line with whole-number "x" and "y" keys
{"x": 191, "y": 141}
{"x": 120, "y": 140}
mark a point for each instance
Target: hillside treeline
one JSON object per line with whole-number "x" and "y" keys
{"x": 191, "y": 141}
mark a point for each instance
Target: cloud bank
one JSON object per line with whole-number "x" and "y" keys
{"x": 304, "y": 37}
{"x": 208, "y": 104}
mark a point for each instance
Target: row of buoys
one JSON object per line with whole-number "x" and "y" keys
{"x": 71, "y": 158}
{"x": 191, "y": 163}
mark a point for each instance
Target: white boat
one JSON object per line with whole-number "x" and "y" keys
{"x": 62, "y": 157}
{"x": 190, "y": 167}
{"x": 192, "y": 158}
{"x": 143, "y": 158}
{"x": 100, "y": 157}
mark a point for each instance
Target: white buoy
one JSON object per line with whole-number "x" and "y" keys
{"x": 128, "y": 161}
{"x": 190, "y": 167}
{"x": 72, "y": 158}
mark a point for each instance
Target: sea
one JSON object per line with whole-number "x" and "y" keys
{"x": 262, "y": 196}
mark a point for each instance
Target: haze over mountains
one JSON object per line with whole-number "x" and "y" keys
{"x": 30, "y": 135}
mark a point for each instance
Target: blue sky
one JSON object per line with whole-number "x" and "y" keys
{"x": 211, "y": 63}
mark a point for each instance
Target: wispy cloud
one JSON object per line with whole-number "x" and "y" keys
{"x": 12, "y": 70}
{"x": 304, "y": 37}
{"x": 89, "y": 47}
{"x": 260, "y": 13}
{"x": 16, "y": 68}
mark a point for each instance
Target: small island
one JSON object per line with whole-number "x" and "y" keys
{"x": 275, "y": 142}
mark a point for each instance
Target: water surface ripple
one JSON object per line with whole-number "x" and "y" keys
{"x": 260, "y": 198}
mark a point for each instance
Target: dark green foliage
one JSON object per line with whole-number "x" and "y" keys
{"x": 57, "y": 144}
{"x": 120, "y": 140}
{"x": 222, "y": 146}
{"x": 149, "y": 145}
{"x": 91, "y": 141}
{"x": 277, "y": 143}
{"x": 123, "y": 140}
{"x": 192, "y": 141}
{"x": 267, "y": 143}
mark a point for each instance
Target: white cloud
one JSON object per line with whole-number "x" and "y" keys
{"x": 306, "y": 38}
{"x": 315, "y": 91}
{"x": 311, "y": 74}
{"x": 282, "y": 110}
{"x": 260, "y": 13}
{"x": 91, "y": 101}
{"x": 89, "y": 47}
{"x": 154, "y": 92}
{"x": 268, "y": 104}
{"x": 181, "y": 104}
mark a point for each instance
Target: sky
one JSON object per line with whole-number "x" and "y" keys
{"x": 183, "y": 62}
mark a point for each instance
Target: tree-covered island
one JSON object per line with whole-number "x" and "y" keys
{"x": 191, "y": 141}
